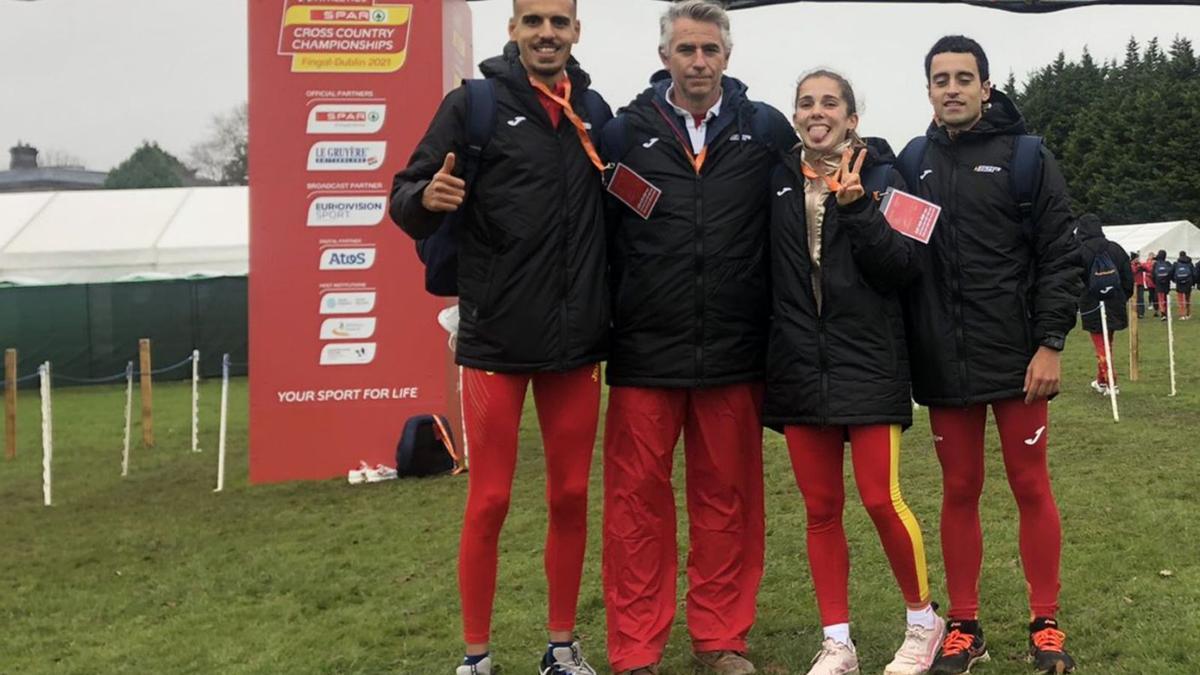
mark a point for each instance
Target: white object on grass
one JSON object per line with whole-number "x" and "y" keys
{"x": 128, "y": 417}
{"x": 224, "y": 423}
{"x": 1112, "y": 383}
{"x": 195, "y": 400}
{"x": 47, "y": 433}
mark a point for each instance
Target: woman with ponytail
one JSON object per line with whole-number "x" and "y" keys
{"x": 837, "y": 367}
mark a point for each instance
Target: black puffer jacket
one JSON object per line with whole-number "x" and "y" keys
{"x": 532, "y": 273}
{"x": 991, "y": 290}
{"x": 1091, "y": 244}
{"x": 690, "y": 284}
{"x": 846, "y": 363}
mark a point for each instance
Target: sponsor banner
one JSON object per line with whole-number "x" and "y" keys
{"x": 346, "y": 118}
{"x": 348, "y": 354}
{"x": 347, "y": 155}
{"x": 337, "y": 37}
{"x": 348, "y": 328}
{"x": 351, "y": 211}
{"x": 344, "y": 339}
{"x": 340, "y": 258}
{"x": 358, "y": 302}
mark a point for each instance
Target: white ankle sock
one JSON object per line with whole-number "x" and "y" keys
{"x": 926, "y": 618}
{"x": 840, "y": 632}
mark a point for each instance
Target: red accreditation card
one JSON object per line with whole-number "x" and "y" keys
{"x": 911, "y": 216}
{"x": 633, "y": 190}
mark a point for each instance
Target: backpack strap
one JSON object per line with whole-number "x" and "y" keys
{"x": 909, "y": 161}
{"x": 443, "y": 433}
{"x": 481, "y": 122}
{"x": 1024, "y": 174}
{"x": 615, "y": 140}
{"x": 875, "y": 179}
{"x": 596, "y": 109}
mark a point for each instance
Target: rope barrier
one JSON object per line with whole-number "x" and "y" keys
{"x": 100, "y": 380}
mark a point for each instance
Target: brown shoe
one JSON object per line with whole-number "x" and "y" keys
{"x": 724, "y": 662}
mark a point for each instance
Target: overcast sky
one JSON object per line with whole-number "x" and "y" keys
{"x": 93, "y": 78}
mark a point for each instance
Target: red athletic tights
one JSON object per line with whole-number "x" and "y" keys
{"x": 817, "y": 457}
{"x": 1101, "y": 360}
{"x": 958, "y": 435}
{"x": 568, "y": 407}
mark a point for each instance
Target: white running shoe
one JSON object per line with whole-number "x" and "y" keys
{"x": 1099, "y": 388}
{"x": 565, "y": 661}
{"x": 916, "y": 654}
{"x": 835, "y": 658}
{"x": 359, "y": 475}
{"x": 484, "y": 667}
{"x": 381, "y": 473}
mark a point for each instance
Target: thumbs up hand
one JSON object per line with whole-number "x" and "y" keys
{"x": 445, "y": 192}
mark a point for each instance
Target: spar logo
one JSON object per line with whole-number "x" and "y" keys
{"x": 348, "y": 328}
{"x": 348, "y": 258}
{"x": 339, "y": 156}
{"x": 359, "y": 211}
{"x": 358, "y": 302}
{"x": 343, "y": 118}
{"x": 348, "y": 354}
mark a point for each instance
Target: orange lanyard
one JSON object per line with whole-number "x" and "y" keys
{"x": 810, "y": 174}
{"x": 696, "y": 160}
{"x": 576, "y": 122}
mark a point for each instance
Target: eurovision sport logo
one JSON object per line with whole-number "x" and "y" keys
{"x": 353, "y": 211}
{"x": 346, "y": 156}
{"x": 346, "y": 118}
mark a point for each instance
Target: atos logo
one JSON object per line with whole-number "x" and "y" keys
{"x": 348, "y": 258}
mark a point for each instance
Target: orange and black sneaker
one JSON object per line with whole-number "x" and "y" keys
{"x": 962, "y": 648}
{"x": 1046, "y": 647}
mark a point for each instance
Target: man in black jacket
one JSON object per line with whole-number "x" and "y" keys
{"x": 533, "y": 301}
{"x": 987, "y": 321}
{"x": 1109, "y": 281}
{"x": 690, "y": 318}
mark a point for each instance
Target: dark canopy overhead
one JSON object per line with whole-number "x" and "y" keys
{"x": 1010, "y": 5}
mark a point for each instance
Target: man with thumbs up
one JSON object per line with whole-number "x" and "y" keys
{"x": 533, "y": 300}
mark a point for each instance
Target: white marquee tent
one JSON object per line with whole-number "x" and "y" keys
{"x": 1149, "y": 238}
{"x": 109, "y": 235}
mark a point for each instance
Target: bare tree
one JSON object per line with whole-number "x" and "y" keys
{"x": 61, "y": 159}
{"x": 222, "y": 156}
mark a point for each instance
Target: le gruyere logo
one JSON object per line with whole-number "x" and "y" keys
{"x": 345, "y": 36}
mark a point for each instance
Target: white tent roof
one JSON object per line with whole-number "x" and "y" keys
{"x": 102, "y": 235}
{"x": 1149, "y": 238}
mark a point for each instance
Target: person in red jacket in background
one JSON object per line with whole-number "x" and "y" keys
{"x": 1141, "y": 280}
{"x": 1147, "y": 274}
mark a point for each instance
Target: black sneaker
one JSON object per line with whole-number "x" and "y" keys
{"x": 1046, "y": 647}
{"x": 962, "y": 648}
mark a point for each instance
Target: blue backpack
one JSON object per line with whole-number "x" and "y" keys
{"x": 1183, "y": 273}
{"x": 439, "y": 251}
{"x": 426, "y": 448}
{"x": 1023, "y": 173}
{"x": 1103, "y": 276}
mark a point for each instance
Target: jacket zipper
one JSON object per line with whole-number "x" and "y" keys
{"x": 956, "y": 282}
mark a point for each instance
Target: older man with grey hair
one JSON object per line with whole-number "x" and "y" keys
{"x": 693, "y": 158}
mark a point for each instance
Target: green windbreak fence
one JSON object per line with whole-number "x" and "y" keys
{"x": 90, "y": 331}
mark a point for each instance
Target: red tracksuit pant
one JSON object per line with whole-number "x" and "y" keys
{"x": 958, "y": 436}
{"x": 1101, "y": 360}
{"x": 817, "y": 457}
{"x": 568, "y": 407}
{"x": 723, "y": 453}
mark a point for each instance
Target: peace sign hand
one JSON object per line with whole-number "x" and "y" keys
{"x": 848, "y": 177}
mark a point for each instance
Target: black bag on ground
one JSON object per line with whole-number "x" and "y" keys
{"x": 426, "y": 448}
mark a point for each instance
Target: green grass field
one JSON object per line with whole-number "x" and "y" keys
{"x": 157, "y": 574}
